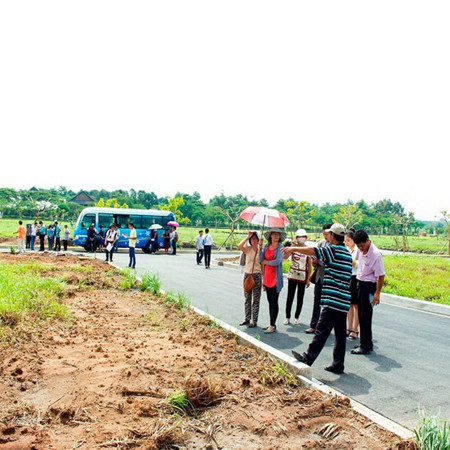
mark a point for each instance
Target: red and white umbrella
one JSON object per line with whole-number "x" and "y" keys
{"x": 173, "y": 224}
{"x": 258, "y": 215}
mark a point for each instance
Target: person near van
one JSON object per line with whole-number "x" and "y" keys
{"x": 131, "y": 245}
{"x": 42, "y": 233}
{"x": 28, "y": 236}
{"x": 317, "y": 279}
{"x": 50, "y": 237}
{"x": 66, "y": 236}
{"x": 298, "y": 277}
{"x": 57, "y": 237}
{"x": 110, "y": 240}
{"x": 21, "y": 234}
{"x": 335, "y": 298}
{"x": 199, "y": 247}
{"x": 271, "y": 259}
{"x": 370, "y": 278}
{"x": 250, "y": 247}
{"x": 174, "y": 238}
{"x": 166, "y": 237}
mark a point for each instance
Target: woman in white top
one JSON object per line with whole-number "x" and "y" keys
{"x": 250, "y": 246}
{"x": 352, "y": 320}
{"x": 298, "y": 277}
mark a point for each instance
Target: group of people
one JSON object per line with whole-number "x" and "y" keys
{"x": 26, "y": 237}
{"x": 203, "y": 246}
{"x": 347, "y": 271}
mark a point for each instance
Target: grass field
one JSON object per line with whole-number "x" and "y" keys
{"x": 9, "y": 226}
{"x": 27, "y": 296}
{"x": 419, "y": 277}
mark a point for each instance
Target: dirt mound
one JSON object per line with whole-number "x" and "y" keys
{"x": 131, "y": 371}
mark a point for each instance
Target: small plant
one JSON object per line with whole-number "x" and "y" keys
{"x": 151, "y": 283}
{"x": 432, "y": 433}
{"x": 277, "y": 373}
{"x": 179, "y": 402}
{"x": 183, "y": 325}
{"x": 128, "y": 280}
{"x": 12, "y": 249}
{"x": 178, "y": 299}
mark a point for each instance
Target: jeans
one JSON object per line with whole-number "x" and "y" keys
{"x": 42, "y": 243}
{"x": 57, "y": 244}
{"x": 50, "y": 243}
{"x": 365, "y": 313}
{"x": 292, "y": 286}
{"x": 65, "y": 242}
{"x": 132, "y": 257}
{"x": 329, "y": 319}
{"x": 199, "y": 255}
{"x": 33, "y": 239}
{"x": 272, "y": 298}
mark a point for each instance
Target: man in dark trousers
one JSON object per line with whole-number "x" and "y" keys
{"x": 370, "y": 278}
{"x": 317, "y": 279}
{"x": 335, "y": 299}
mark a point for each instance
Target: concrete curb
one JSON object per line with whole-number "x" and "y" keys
{"x": 388, "y": 299}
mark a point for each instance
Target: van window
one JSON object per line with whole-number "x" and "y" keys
{"x": 148, "y": 221}
{"x": 105, "y": 220}
{"x": 88, "y": 220}
{"x": 136, "y": 220}
{"x": 122, "y": 220}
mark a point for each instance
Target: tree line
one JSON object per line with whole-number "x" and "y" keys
{"x": 382, "y": 217}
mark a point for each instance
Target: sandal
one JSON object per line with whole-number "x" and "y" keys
{"x": 353, "y": 335}
{"x": 287, "y": 322}
{"x": 245, "y": 322}
{"x": 296, "y": 322}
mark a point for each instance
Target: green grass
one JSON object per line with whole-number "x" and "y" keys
{"x": 9, "y": 226}
{"x": 179, "y": 402}
{"x": 129, "y": 279}
{"x": 418, "y": 277}
{"x": 151, "y": 283}
{"x": 26, "y": 296}
{"x": 432, "y": 434}
{"x": 178, "y": 299}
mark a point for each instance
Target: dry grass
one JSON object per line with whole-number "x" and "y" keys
{"x": 202, "y": 391}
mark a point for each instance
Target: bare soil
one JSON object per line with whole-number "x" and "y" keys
{"x": 102, "y": 380}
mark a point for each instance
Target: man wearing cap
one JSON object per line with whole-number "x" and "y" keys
{"x": 335, "y": 299}
{"x": 370, "y": 278}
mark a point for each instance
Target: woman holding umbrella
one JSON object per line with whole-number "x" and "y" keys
{"x": 271, "y": 259}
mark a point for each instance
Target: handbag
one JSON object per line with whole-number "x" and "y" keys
{"x": 249, "y": 282}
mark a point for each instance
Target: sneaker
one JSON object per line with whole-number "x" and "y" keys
{"x": 287, "y": 322}
{"x": 270, "y": 329}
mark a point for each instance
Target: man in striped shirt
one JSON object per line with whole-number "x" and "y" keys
{"x": 335, "y": 299}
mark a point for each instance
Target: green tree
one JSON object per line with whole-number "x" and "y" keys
{"x": 348, "y": 215}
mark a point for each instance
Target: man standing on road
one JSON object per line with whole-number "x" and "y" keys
{"x": 208, "y": 241}
{"x": 199, "y": 247}
{"x": 66, "y": 236}
{"x": 335, "y": 299}
{"x": 370, "y": 278}
{"x": 21, "y": 233}
{"x": 131, "y": 245}
{"x": 317, "y": 279}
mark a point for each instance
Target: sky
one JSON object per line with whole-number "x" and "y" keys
{"x": 320, "y": 101}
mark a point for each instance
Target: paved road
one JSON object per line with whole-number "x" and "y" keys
{"x": 410, "y": 367}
